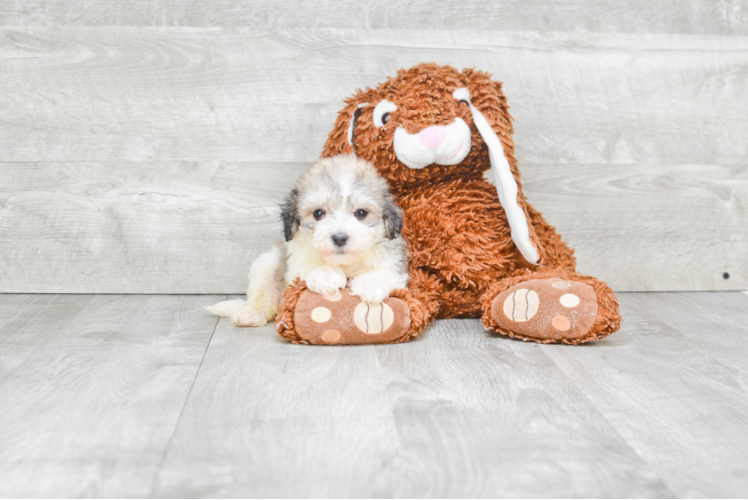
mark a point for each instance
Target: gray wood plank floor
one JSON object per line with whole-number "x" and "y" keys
{"x": 92, "y": 387}
{"x": 137, "y": 396}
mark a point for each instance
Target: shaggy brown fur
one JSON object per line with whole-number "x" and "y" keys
{"x": 462, "y": 253}
{"x": 284, "y": 321}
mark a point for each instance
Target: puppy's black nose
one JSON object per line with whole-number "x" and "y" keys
{"x": 340, "y": 239}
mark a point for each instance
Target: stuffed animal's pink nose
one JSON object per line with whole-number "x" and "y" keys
{"x": 432, "y": 136}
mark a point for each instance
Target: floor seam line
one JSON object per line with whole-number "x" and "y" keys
{"x": 613, "y": 427}
{"x": 181, "y": 412}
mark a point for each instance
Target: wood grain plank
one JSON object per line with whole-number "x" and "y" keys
{"x": 668, "y": 385}
{"x": 656, "y": 410}
{"x": 650, "y": 227}
{"x": 174, "y": 227}
{"x": 92, "y": 388}
{"x": 481, "y": 416}
{"x": 454, "y": 414}
{"x": 195, "y": 227}
{"x": 638, "y": 16}
{"x": 244, "y": 94}
{"x": 715, "y": 324}
{"x": 268, "y": 418}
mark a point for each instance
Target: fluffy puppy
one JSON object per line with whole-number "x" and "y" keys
{"x": 340, "y": 224}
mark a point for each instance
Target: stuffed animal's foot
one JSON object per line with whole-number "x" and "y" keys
{"x": 547, "y": 309}
{"x": 555, "y": 310}
{"x": 342, "y": 318}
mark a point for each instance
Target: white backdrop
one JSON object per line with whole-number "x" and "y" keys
{"x": 146, "y": 153}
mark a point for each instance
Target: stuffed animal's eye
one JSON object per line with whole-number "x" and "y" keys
{"x": 361, "y": 213}
{"x": 381, "y": 114}
{"x": 462, "y": 101}
{"x": 318, "y": 214}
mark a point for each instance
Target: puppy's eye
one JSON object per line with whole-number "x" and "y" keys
{"x": 318, "y": 214}
{"x": 361, "y": 214}
{"x": 462, "y": 101}
{"x": 381, "y": 114}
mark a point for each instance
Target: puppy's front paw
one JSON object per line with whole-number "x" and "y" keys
{"x": 369, "y": 288}
{"x": 326, "y": 280}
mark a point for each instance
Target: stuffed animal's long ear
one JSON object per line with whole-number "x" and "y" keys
{"x": 342, "y": 137}
{"x": 393, "y": 220}
{"x": 290, "y": 215}
{"x": 492, "y": 119}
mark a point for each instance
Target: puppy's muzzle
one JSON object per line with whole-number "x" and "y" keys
{"x": 340, "y": 239}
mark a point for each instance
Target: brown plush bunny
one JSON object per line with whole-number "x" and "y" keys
{"x": 477, "y": 249}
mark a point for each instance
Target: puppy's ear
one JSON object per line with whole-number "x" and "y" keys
{"x": 290, "y": 215}
{"x": 393, "y": 220}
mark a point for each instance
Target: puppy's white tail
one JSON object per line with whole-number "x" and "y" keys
{"x": 263, "y": 294}
{"x": 226, "y": 308}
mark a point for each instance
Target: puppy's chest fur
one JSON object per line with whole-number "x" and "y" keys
{"x": 302, "y": 258}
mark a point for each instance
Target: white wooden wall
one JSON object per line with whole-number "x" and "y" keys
{"x": 145, "y": 145}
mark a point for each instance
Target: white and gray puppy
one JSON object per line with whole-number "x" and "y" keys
{"x": 340, "y": 224}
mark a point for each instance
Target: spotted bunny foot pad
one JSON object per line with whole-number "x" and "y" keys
{"x": 344, "y": 319}
{"x": 546, "y": 309}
